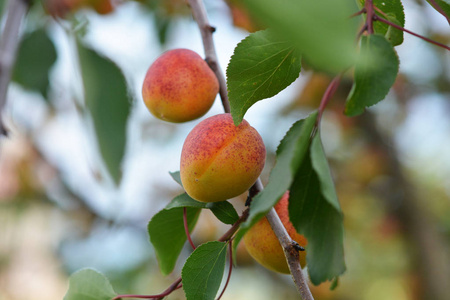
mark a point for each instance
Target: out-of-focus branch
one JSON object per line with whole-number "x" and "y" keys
{"x": 427, "y": 246}
{"x": 206, "y": 30}
{"x": 9, "y": 42}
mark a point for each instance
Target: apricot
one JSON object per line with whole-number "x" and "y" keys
{"x": 179, "y": 86}
{"x": 263, "y": 245}
{"x": 219, "y": 160}
{"x": 61, "y": 8}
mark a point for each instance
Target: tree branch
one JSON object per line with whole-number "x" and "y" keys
{"x": 290, "y": 250}
{"x": 291, "y": 253}
{"x": 206, "y": 30}
{"x": 9, "y": 42}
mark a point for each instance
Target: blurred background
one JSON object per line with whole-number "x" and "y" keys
{"x": 60, "y": 210}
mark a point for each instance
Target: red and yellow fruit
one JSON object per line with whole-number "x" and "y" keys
{"x": 61, "y": 8}
{"x": 263, "y": 245}
{"x": 219, "y": 160}
{"x": 179, "y": 86}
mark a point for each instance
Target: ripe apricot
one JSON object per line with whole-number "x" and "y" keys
{"x": 61, "y": 8}
{"x": 263, "y": 245}
{"x": 219, "y": 160}
{"x": 179, "y": 86}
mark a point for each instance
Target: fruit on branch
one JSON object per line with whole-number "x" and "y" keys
{"x": 263, "y": 245}
{"x": 179, "y": 86}
{"x": 61, "y": 8}
{"x": 219, "y": 160}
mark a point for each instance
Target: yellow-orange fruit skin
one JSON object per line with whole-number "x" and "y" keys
{"x": 60, "y": 8}
{"x": 263, "y": 245}
{"x": 219, "y": 160}
{"x": 179, "y": 86}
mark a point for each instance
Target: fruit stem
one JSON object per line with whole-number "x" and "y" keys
{"x": 206, "y": 30}
{"x": 186, "y": 228}
{"x": 9, "y": 43}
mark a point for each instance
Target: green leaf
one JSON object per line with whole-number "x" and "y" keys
{"x": 224, "y": 211}
{"x": 184, "y": 200}
{"x": 320, "y": 29}
{"x": 375, "y": 73}
{"x": 444, "y": 5}
{"x": 392, "y": 11}
{"x": 108, "y": 101}
{"x": 176, "y": 176}
{"x": 203, "y": 271}
{"x": 88, "y": 284}
{"x": 394, "y": 35}
{"x": 167, "y": 235}
{"x": 262, "y": 65}
{"x": 290, "y": 154}
{"x": 315, "y": 212}
{"x": 35, "y": 57}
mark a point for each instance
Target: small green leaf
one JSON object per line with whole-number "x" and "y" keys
{"x": 321, "y": 29}
{"x": 392, "y": 11}
{"x": 167, "y": 235}
{"x": 203, "y": 271}
{"x": 88, "y": 284}
{"x": 394, "y": 35}
{"x": 262, "y": 65}
{"x": 184, "y": 200}
{"x": 176, "y": 176}
{"x": 35, "y": 57}
{"x": 334, "y": 284}
{"x": 224, "y": 211}
{"x": 315, "y": 212}
{"x": 375, "y": 73}
{"x": 290, "y": 154}
{"x": 108, "y": 102}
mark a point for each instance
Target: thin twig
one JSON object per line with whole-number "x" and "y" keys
{"x": 329, "y": 92}
{"x": 206, "y": 30}
{"x": 186, "y": 228}
{"x": 9, "y": 43}
{"x": 229, "y": 234}
{"x": 174, "y": 286}
{"x": 439, "y": 9}
{"x": 230, "y": 254}
{"x": 378, "y": 18}
{"x": 370, "y": 14}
